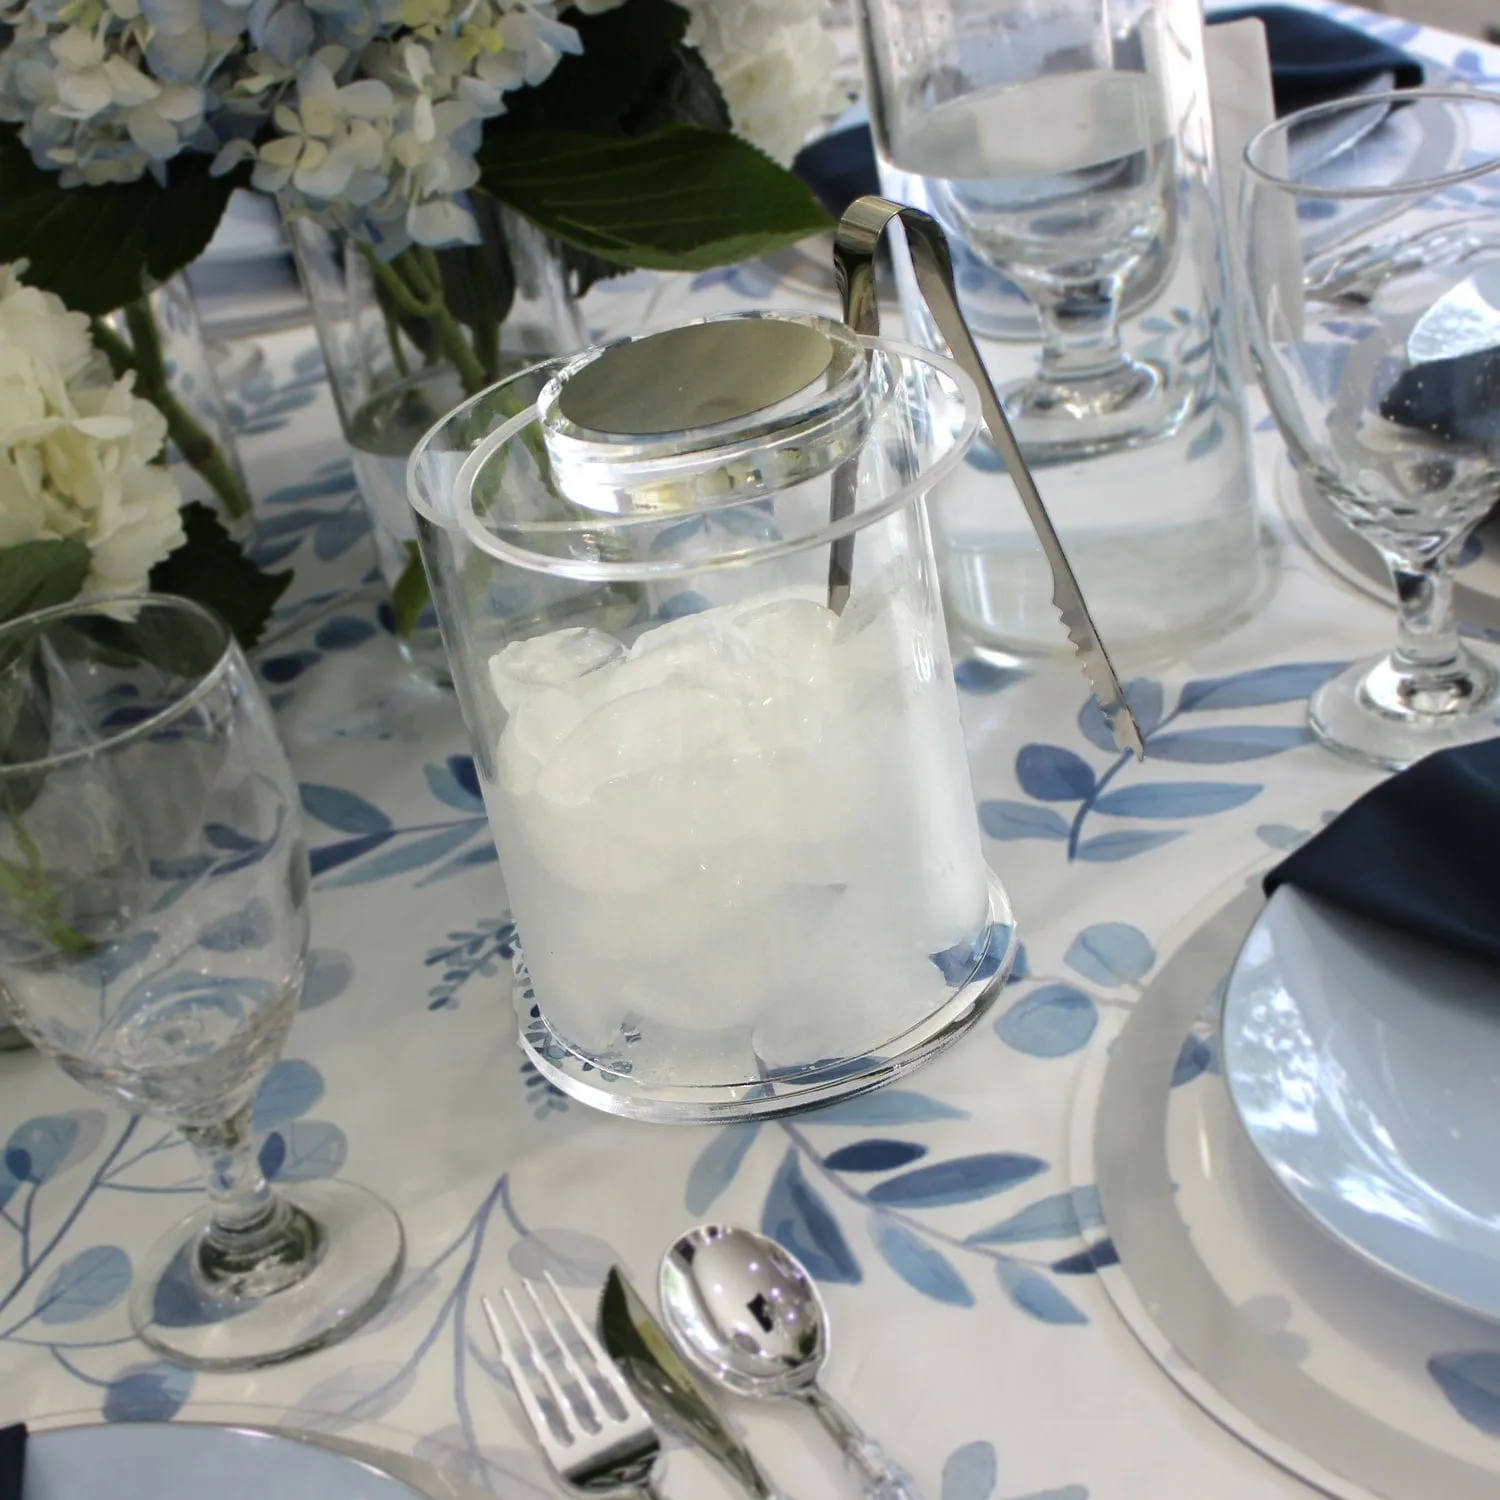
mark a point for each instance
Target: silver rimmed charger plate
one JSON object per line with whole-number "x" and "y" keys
{"x": 1334, "y": 1371}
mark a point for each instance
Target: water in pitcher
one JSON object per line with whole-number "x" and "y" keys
{"x": 1067, "y": 173}
{"x": 1062, "y": 179}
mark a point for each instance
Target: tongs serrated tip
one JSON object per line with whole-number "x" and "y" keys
{"x": 855, "y": 243}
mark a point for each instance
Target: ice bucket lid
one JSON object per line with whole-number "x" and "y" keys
{"x": 705, "y": 411}
{"x": 714, "y": 416}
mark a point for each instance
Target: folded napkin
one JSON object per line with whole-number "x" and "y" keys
{"x": 1313, "y": 58}
{"x": 12, "y": 1460}
{"x": 1421, "y": 852}
{"x": 1456, "y": 400}
{"x": 839, "y": 167}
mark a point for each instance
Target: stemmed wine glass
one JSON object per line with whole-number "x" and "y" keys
{"x": 153, "y": 932}
{"x": 1373, "y": 265}
{"x": 1041, "y": 129}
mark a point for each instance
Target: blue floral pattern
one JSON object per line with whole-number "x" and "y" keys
{"x": 1054, "y": 776}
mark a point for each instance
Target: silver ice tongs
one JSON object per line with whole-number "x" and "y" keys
{"x": 855, "y": 243}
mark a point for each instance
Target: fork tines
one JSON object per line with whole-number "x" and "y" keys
{"x": 583, "y": 1413}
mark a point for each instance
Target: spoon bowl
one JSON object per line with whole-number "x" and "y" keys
{"x": 744, "y": 1310}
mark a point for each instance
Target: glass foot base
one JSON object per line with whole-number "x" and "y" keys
{"x": 1058, "y": 421}
{"x": 361, "y": 1252}
{"x": 1366, "y": 713}
{"x": 784, "y": 1092}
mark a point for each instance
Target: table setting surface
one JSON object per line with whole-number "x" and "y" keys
{"x": 969, "y": 1329}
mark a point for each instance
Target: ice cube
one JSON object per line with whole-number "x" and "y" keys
{"x": 556, "y": 660}
{"x": 701, "y": 649}
{"x": 545, "y": 718}
{"x": 792, "y": 637}
{"x": 685, "y": 632}
{"x": 635, "y": 735}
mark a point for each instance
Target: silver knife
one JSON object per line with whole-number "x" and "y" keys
{"x": 855, "y": 243}
{"x": 669, "y": 1391}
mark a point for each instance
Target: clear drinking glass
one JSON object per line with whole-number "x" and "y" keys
{"x": 153, "y": 929}
{"x": 1373, "y": 265}
{"x": 1042, "y": 131}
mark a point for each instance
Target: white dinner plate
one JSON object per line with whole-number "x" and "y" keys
{"x": 170, "y": 1461}
{"x": 1365, "y": 1068}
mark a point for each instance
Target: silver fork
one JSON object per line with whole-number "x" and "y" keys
{"x": 590, "y": 1447}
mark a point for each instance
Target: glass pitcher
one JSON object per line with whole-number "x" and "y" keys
{"x": 687, "y": 587}
{"x": 1108, "y": 213}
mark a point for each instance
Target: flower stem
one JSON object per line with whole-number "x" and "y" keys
{"x": 143, "y": 354}
{"x": 27, "y": 885}
{"x": 415, "y": 281}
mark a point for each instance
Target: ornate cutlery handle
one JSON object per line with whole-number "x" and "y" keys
{"x": 880, "y": 1477}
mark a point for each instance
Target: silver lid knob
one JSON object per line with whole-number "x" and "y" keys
{"x": 708, "y": 414}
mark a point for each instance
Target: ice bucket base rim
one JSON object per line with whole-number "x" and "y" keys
{"x": 619, "y": 1094}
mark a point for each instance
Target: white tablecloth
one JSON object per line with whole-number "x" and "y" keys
{"x": 990, "y": 1372}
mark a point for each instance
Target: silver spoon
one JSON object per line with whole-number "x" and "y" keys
{"x": 750, "y": 1317}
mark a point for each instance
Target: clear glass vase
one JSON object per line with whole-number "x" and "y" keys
{"x": 406, "y": 341}
{"x": 160, "y": 338}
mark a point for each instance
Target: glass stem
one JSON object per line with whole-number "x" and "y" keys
{"x": 1428, "y": 653}
{"x": 254, "y": 1235}
{"x": 1080, "y": 330}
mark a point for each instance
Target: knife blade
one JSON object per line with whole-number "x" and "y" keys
{"x": 855, "y": 243}
{"x": 669, "y": 1391}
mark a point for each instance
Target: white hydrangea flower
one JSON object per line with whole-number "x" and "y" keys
{"x": 90, "y": 100}
{"x": 774, "y": 62}
{"x": 383, "y": 142}
{"x": 77, "y": 449}
{"x": 367, "y": 114}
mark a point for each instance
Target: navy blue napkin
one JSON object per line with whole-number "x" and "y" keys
{"x": 1313, "y": 58}
{"x": 1421, "y": 852}
{"x": 12, "y": 1460}
{"x": 1456, "y": 400}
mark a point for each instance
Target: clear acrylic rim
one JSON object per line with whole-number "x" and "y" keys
{"x": 96, "y": 605}
{"x": 592, "y": 571}
{"x": 1392, "y": 98}
{"x": 425, "y": 448}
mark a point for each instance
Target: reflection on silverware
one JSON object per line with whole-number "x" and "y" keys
{"x": 748, "y": 1314}
{"x": 1356, "y": 275}
{"x": 591, "y": 1429}
{"x": 640, "y": 1347}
